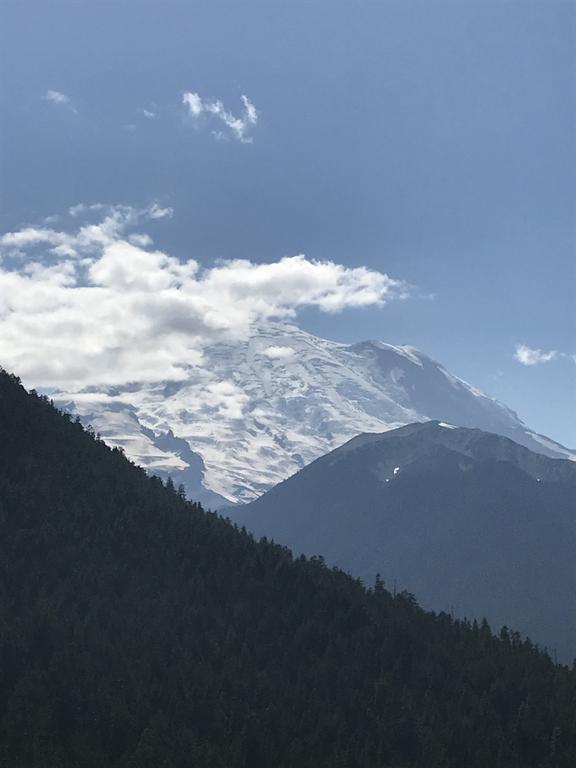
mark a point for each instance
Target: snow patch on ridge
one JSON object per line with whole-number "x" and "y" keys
{"x": 551, "y": 445}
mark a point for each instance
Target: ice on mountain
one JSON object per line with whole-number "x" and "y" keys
{"x": 256, "y": 410}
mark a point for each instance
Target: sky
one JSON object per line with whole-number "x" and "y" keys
{"x": 404, "y": 171}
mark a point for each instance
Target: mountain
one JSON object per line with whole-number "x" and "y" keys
{"x": 258, "y": 410}
{"x": 160, "y": 453}
{"x": 137, "y": 631}
{"x": 469, "y": 521}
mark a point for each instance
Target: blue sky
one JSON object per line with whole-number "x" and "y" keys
{"x": 432, "y": 141}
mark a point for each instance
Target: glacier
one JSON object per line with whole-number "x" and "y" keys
{"x": 254, "y": 412}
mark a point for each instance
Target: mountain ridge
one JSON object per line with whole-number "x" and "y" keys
{"x": 256, "y": 411}
{"x": 469, "y": 521}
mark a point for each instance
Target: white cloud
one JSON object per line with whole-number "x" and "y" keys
{"x": 279, "y": 353}
{"x": 225, "y": 398}
{"x": 193, "y": 102}
{"x": 97, "y": 304}
{"x": 59, "y": 98}
{"x": 141, "y": 239}
{"x": 528, "y": 356}
{"x": 154, "y": 211}
{"x": 250, "y": 111}
{"x": 56, "y": 97}
{"x": 238, "y": 126}
{"x": 149, "y": 114}
{"x": 82, "y": 208}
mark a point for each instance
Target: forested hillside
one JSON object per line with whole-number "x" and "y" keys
{"x": 469, "y": 521}
{"x": 138, "y": 631}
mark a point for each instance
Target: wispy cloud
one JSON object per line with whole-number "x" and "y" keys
{"x": 529, "y": 356}
{"x": 194, "y": 103}
{"x": 155, "y": 211}
{"x": 93, "y": 302}
{"x": 211, "y": 113}
{"x": 60, "y": 99}
{"x": 230, "y": 125}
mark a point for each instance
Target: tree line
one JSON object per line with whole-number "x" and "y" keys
{"x": 139, "y": 631}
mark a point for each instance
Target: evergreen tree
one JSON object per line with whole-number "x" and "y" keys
{"x": 138, "y": 631}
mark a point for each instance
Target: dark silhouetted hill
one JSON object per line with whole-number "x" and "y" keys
{"x": 469, "y": 521}
{"x": 136, "y": 631}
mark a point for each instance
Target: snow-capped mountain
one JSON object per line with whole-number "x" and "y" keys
{"x": 162, "y": 454}
{"x": 470, "y": 522}
{"x": 257, "y": 411}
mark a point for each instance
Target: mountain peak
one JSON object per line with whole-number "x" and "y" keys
{"x": 409, "y": 443}
{"x": 259, "y": 409}
{"x": 468, "y": 520}
{"x": 412, "y": 354}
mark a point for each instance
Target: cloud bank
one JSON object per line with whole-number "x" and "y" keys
{"x": 230, "y": 125}
{"x": 94, "y": 303}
